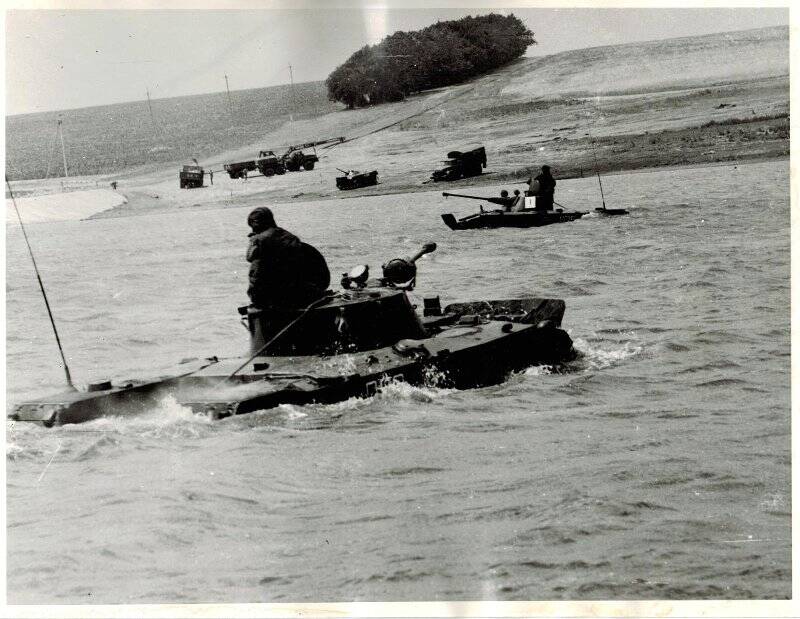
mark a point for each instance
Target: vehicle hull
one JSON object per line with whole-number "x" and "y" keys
{"x": 609, "y": 212}
{"x": 503, "y": 219}
{"x": 471, "y": 353}
{"x": 356, "y": 182}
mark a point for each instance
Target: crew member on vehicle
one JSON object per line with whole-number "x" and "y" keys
{"x": 285, "y": 273}
{"x": 519, "y": 202}
{"x": 543, "y": 186}
{"x": 506, "y": 200}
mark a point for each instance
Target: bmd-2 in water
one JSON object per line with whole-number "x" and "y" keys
{"x": 527, "y": 216}
{"x": 349, "y": 343}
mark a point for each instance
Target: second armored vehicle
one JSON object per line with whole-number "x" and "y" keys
{"x": 353, "y": 179}
{"x": 526, "y": 217}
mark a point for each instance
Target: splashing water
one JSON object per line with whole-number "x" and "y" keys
{"x": 596, "y": 358}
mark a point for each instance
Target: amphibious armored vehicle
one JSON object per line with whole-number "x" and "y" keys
{"x": 353, "y": 179}
{"x": 526, "y": 217}
{"x": 349, "y": 343}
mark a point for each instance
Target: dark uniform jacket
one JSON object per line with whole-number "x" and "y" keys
{"x": 547, "y": 184}
{"x": 284, "y": 271}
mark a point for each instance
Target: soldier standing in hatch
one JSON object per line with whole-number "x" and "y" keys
{"x": 285, "y": 273}
{"x": 546, "y": 188}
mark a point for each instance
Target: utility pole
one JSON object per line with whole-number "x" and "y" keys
{"x": 294, "y": 101}
{"x": 150, "y": 106}
{"x": 52, "y": 149}
{"x": 230, "y": 106}
{"x": 63, "y": 152}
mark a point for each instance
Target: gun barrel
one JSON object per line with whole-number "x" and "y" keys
{"x": 498, "y": 200}
{"x": 461, "y": 195}
{"x": 426, "y": 249}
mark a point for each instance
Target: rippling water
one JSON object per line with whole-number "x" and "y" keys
{"x": 659, "y": 467}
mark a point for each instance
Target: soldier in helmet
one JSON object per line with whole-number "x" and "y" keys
{"x": 507, "y": 202}
{"x": 543, "y": 187}
{"x": 285, "y": 273}
{"x": 519, "y": 202}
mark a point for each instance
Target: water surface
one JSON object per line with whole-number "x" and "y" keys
{"x": 658, "y": 467}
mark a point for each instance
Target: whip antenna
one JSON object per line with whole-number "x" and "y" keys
{"x": 41, "y": 287}
{"x": 596, "y": 171}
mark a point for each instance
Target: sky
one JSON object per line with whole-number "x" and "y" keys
{"x": 68, "y": 58}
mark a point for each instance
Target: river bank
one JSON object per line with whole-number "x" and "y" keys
{"x": 702, "y": 101}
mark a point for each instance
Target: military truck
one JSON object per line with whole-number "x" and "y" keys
{"x": 294, "y": 159}
{"x": 240, "y": 169}
{"x": 191, "y": 176}
{"x": 268, "y": 163}
{"x": 461, "y": 165}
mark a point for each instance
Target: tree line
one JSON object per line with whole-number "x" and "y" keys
{"x": 445, "y": 53}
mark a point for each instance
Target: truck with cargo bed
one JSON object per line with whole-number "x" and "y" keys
{"x": 269, "y": 164}
{"x": 191, "y": 176}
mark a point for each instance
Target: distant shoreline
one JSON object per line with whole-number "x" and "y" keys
{"x": 723, "y": 99}
{"x": 477, "y": 182}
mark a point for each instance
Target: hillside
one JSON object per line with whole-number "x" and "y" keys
{"x": 697, "y": 100}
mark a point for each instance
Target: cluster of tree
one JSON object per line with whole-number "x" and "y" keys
{"x": 444, "y": 53}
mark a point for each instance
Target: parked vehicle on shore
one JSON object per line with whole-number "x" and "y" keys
{"x": 461, "y": 165}
{"x": 353, "y": 179}
{"x": 191, "y": 176}
{"x": 240, "y": 169}
{"x": 268, "y": 163}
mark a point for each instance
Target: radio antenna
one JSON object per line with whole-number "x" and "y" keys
{"x": 41, "y": 287}
{"x": 596, "y": 171}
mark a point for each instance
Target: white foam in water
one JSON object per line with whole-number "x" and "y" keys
{"x": 597, "y": 358}
{"x": 402, "y": 390}
{"x": 27, "y": 440}
{"x": 13, "y": 450}
{"x": 169, "y": 416}
{"x": 539, "y": 370}
{"x": 292, "y": 411}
